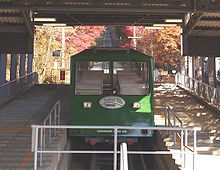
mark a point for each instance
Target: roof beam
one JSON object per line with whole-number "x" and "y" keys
{"x": 188, "y": 28}
{"x": 29, "y": 25}
{"x": 14, "y": 29}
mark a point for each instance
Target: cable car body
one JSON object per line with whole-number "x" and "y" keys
{"x": 111, "y": 87}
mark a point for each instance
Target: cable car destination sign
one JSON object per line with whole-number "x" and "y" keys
{"x": 112, "y": 102}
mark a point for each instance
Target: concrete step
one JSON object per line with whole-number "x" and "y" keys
{"x": 15, "y": 138}
{"x": 14, "y": 134}
{"x": 21, "y": 159}
{"x": 15, "y": 165}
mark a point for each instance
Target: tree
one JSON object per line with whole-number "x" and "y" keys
{"x": 164, "y": 45}
{"x": 48, "y": 39}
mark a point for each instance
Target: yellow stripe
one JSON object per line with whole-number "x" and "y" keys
{"x": 158, "y": 111}
{"x": 22, "y": 129}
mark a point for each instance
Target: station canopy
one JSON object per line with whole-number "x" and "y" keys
{"x": 200, "y": 17}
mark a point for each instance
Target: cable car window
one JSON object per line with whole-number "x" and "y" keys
{"x": 92, "y": 78}
{"x": 130, "y": 78}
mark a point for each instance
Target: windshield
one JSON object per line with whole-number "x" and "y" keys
{"x": 131, "y": 78}
{"x": 127, "y": 78}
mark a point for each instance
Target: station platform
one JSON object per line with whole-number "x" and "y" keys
{"x": 192, "y": 113}
{"x": 17, "y": 115}
{"x": 32, "y": 106}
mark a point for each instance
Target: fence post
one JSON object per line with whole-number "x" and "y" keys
{"x": 165, "y": 115}
{"x": 41, "y": 146}
{"x": 169, "y": 120}
{"x": 123, "y": 157}
{"x": 186, "y": 143}
{"x": 182, "y": 145}
{"x": 194, "y": 149}
{"x": 174, "y": 134}
{"x": 59, "y": 113}
{"x": 35, "y": 148}
{"x": 55, "y": 119}
{"x": 115, "y": 148}
{"x": 50, "y": 129}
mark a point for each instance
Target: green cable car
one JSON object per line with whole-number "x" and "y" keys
{"x": 111, "y": 87}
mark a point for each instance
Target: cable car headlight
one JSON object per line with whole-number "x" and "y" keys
{"x": 87, "y": 105}
{"x": 136, "y": 105}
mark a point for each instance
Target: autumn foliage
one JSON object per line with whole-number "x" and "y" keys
{"x": 48, "y": 39}
{"x": 163, "y": 44}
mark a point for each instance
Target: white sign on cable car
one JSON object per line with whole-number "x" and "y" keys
{"x": 112, "y": 102}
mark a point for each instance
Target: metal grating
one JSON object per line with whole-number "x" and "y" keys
{"x": 202, "y": 23}
{"x": 11, "y": 20}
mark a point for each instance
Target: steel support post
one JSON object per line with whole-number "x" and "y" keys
{"x": 14, "y": 64}
{"x": 211, "y": 71}
{"x": 22, "y": 65}
{"x": 30, "y": 63}
{"x": 201, "y": 69}
{"x": 3, "y": 62}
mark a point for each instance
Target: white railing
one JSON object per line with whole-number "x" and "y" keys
{"x": 10, "y": 88}
{"x": 53, "y": 118}
{"x": 172, "y": 120}
{"x": 123, "y": 156}
{"x": 206, "y": 92}
{"x": 184, "y": 131}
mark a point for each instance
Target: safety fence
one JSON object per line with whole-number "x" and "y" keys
{"x": 10, "y": 88}
{"x": 205, "y": 91}
{"x": 53, "y": 118}
{"x": 37, "y": 130}
{"x": 172, "y": 120}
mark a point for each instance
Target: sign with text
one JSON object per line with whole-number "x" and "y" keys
{"x": 56, "y": 53}
{"x": 62, "y": 75}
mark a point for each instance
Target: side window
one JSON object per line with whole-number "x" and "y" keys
{"x": 92, "y": 78}
{"x": 131, "y": 78}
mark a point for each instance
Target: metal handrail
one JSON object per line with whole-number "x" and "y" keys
{"x": 10, "y": 88}
{"x": 174, "y": 114}
{"x": 53, "y": 118}
{"x": 168, "y": 113}
{"x": 36, "y": 128}
{"x": 15, "y": 80}
{"x": 205, "y": 91}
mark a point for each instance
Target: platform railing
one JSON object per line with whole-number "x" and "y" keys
{"x": 10, "y": 88}
{"x": 53, "y": 118}
{"x": 205, "y": 91}
{"x": 37, "y": 130}
{"x": 172, "y": 120}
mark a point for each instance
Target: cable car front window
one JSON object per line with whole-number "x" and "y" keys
{"x": 92, "y": 78}
{"x": 130, "y": 78}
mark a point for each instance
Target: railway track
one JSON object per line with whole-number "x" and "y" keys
{"x": 105, "y": 161}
